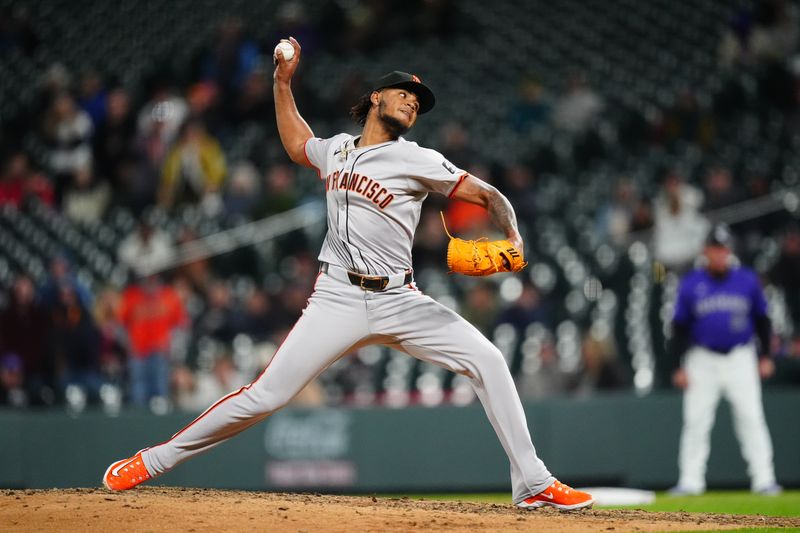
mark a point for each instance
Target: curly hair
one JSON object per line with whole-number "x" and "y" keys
{"x": 359, "y": 111}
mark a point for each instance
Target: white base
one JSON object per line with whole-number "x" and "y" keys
{"x": 620, "y": 496}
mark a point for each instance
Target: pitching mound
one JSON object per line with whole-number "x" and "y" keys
{"x": 175, "y": 509}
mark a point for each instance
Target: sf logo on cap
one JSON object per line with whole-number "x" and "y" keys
{"x": 415, "y": 78}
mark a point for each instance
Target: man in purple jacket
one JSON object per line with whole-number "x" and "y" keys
{"x": 720, "y": 309}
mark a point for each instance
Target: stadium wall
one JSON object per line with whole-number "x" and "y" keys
{"x": 615, "y": 440}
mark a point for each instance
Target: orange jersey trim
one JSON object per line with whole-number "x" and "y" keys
{"x": 460, "y": 181}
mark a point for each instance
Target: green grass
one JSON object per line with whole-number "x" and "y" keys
{"x": 731, "y": 502}
{"x": 728, "y": 502}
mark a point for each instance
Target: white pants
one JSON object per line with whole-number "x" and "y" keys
{"x": 340, "y": 318}
{"x": 734, "y": 376}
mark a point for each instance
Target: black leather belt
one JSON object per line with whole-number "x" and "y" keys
{"x": 375, "y": 283}
{"x": 366, "y": 282}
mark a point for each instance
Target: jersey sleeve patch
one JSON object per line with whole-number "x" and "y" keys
{"x": 433, "y": 171}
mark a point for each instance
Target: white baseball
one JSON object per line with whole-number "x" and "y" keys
{"x": 286, "y": 48}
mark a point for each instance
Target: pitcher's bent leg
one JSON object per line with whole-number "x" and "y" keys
{"x": 446, "y": 339}
{"x": 329, "y": 326}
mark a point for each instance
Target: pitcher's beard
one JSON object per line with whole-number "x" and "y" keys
{"x": 394, "y": 127}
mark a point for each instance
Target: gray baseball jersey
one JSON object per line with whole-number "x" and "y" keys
{"x": 374, "y": 197}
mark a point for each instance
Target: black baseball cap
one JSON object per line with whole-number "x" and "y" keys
{"x": 411, "y": 82}
{"x": 720, "y": 235}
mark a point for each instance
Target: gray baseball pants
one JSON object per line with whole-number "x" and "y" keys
{"x": 341, "y": 317}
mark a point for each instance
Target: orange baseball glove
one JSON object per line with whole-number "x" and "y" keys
{"x": 482, "y": 257}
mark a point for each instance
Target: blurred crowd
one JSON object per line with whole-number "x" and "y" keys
{"x": 192, "y": 332}
{"x": 188, "y": 334}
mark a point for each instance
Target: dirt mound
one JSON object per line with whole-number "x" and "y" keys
{"x": 171, "y": 509}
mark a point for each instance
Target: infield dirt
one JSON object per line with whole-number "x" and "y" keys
{"x": 159, "y": 509}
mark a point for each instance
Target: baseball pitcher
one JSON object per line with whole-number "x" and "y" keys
{"x": 365, "y": 294}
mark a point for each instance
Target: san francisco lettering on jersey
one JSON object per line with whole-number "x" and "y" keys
{"x": 363, "y": 185}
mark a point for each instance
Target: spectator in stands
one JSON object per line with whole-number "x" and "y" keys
{"x": 56, "y": 79}
{"x": 480, "y": 307}
{"x": 197, "y": 273}
{"x": 148, "y": 249}
{"x": 17, "y": 31}
{"x": 217, "y": 319}
{"x": 526, "y": 310}
{"x": 198, "y": 391}
{"x": 24, "y": 330}
{"x": 92, "y": 96}
{"x": 75, "y": 343}
{"x": 12, "y": 381}
{"x": 241, "y": 191}
{"x": 231, "y": 58}
{"x": 113, "y": 141}
{"x": 456, "y": 145}
{"x": 786, "y": 273}
{"x": 531, "y": 108}
{"x": 20, "y": 182}
{"x": 719, "y": 189}
{"x": 279, "y": 192}
{"x": 257, "y": 317}
{"x": 194, "y": 170}
{"x": 68, "y": 130}
{"x": 160, "y": 119}
{"x": 61, "y": 274}
{"x": 766, "y": 34}
{"x": 544, "y": 378}
{"x": 773, "y": 42}
{"x": 141, "y": 173}
{"x": 291, "y": 300}
{"x": 519, "y": 184}
{"x": 113, "y": 348}
{"x": 204, "y": 106}
{"x": 679, "y": 227}
{"x": 614, "y": 219}
{"x": 254, "y": 103}
{"x": 579, "y": 108}
{"x": 601, "y": 370}
{"x": 687, "y": 121}
{"x": 642, "y": 217}
{"x": 734, "y": 46}
{"x": 151, "y": 312}
{"x": 86, "y": 198}
{"x": 183, "y": 386}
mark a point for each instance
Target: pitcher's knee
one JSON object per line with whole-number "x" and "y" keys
{"x": 489, "y": 361}
{"x": 267, "y": 401}
{"x": 494, "y": 357}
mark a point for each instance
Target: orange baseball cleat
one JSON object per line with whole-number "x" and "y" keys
{"x": 559, "y": 496}
{"x": 126, "y": 473}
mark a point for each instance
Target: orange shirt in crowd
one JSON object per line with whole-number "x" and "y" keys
{"x": 463, "y": 216}
{"x": 149, "y": 316}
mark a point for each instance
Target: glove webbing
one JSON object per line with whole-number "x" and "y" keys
{"x": 475, "y": 255}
